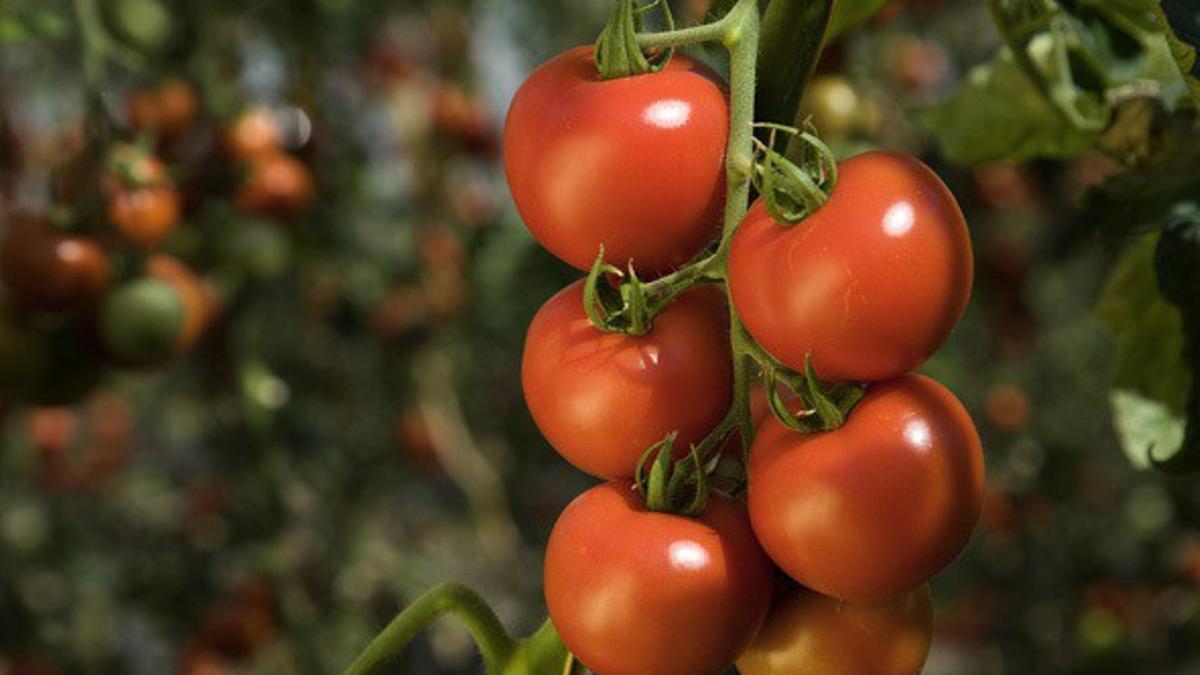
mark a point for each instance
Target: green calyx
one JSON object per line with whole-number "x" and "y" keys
{"x": 795, "y": 185}
{"x": 826, "y": 407}
{"x": 618, "y": 53}
{"x": 630, "y": 306}
{"x": 673, "y": 486}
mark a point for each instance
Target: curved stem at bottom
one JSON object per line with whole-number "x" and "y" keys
{"x": 493, "y": 641}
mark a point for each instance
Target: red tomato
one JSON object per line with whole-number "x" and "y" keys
{"x": 635, "y": 163}
{"x": 870, "y": 285}
{"x": 51, "y": 270}
{"x": 169, "y": 109}
{"x": 877, "y": 507}
{"x": 634, "y": 592}
{"x": 602, "y": 399}
{"x": 811, "y": 634}
{"x": 145, "y": 215}
{"x": 276, "y": 184}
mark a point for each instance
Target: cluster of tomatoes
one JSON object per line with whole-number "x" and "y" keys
{"x": 822, "y": 563}
{"x": 92, "y": 285}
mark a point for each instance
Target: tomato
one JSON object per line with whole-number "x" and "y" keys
{"x": 635, "y": 164}
{"x": 837, "y": 109}
{"x": 870, "y": 285}
{"x": 814, "y": 634}
{"x": 199, "y": 303}
{"x": 49, "y": 269}
{"x": 602, "y": 399}
{"x": 633, "y": 592}
{"x": 169, "y": 110}
{"x": 144, "y": 216}
{"x": 276, "y": 184}
{"x": 255, "y": 133}
{"x": 143, "y": 205}
{"x": 142, "y": 321}
{"x": 877, "y": 507}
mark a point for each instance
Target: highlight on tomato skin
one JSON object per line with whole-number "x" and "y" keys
{"x": 812, "y": 634}
{"x": 634, "y": 592}
{"x": 879, "y": 506}
{"x": 870, "y": 285}
{"x": 634, "y": 164}
{"x": 602, "y": 399}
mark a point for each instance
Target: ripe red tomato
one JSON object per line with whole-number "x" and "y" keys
{"x": 144, "y": 216}
{"x": 602, "y": 399}
{"x": 143, "y": 206}
{"x": 52, "y": 270}
{"x": 635, "y": 163}
{"x": 633, "y": 592}
{"x": 199, "y": 302}
{"x": 254, "y": 133}
{"x": 814, "y": 634}
{"x": 169, "y": 109}
{"x": 877, "y": 507}
{"x": 276, "y": 184}
{"x": 870, "y": 285}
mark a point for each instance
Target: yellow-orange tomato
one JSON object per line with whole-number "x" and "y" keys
{"x": 811, "y": 634}
{"x": 255, "y": 133}
{"x": 276, "y": 184}
{"x": 199, "y": 304}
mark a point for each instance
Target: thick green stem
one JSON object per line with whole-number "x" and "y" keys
{"x": 493, "y": 641}
{"x": 742, "y": 42}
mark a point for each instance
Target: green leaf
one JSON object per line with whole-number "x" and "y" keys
{"x": 793, "y": 32}
{"x": 997, "y": 113}
{"x": 1181, "y": 26}
{"x": 13, "y": 30}
{"x": 1149, "y": 196}
{"x": 1145, "y": 427}
{"x": 1151, "y": 379}
{"x": 849, "y": 14}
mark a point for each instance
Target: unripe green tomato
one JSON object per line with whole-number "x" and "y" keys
{"x": 259, "y": 250}
{"x": 24, "y": 357}
{"x": 141, "y": 320}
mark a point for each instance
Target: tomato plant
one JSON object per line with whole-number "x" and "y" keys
{"x": 870, "y": 285}
{"x": 817, "y": 635}
{"x": 630, "y": 164}
{"x": 878, "y": 506}
{"x": 602, "y": 399}
{"x": 622, "y": 582}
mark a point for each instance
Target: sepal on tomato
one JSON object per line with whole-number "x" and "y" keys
{"x": 673, "y": 486}
{"x": 793, "y": 189}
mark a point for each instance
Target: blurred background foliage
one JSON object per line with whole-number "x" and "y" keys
{"x": 350, "y": 431}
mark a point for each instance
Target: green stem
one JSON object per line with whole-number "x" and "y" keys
{"x": 708, "y": 32}
{"x": 493, "y": 641}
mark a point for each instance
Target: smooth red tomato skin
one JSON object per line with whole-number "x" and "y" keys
{"x": 633, "y": 592}
{"x": 871, "y": 284}
{"x": 635, "y": 164}
{"x": 877, "y": 507}
{"x": 602, "y": 399}
{"x": 811, "y": 634}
